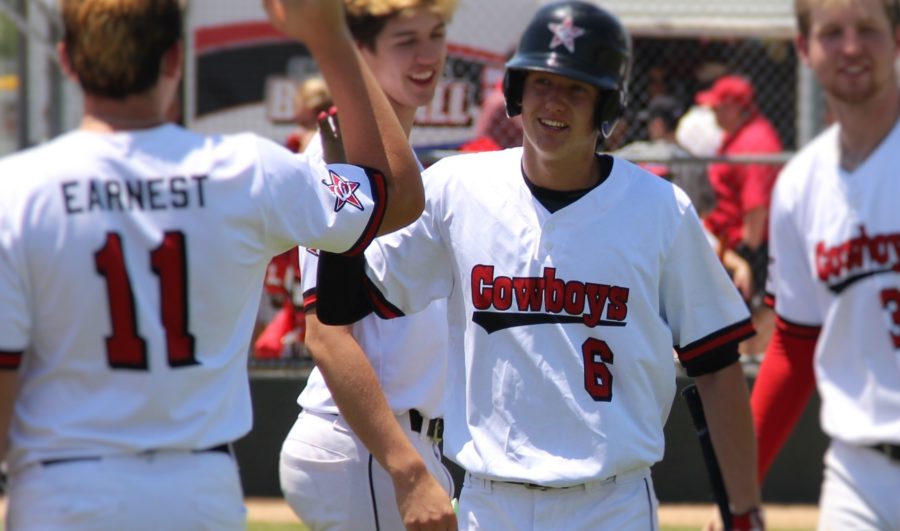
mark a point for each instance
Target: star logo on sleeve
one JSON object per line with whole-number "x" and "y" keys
{"x": 344, "y": 191}
{"x": 565, "y": 33}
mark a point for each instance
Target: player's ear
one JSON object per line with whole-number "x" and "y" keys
{"x": 63, "y": 52}
{"x": 801, "y": 44}
{"x": 173, "y": 60}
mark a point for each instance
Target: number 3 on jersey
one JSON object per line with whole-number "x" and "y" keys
{"x": 890, "y": 298}
{"x": 125, "y": 348}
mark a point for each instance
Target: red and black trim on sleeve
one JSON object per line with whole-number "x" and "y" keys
{"x": 309, "y": 300}
{"x": 383, "y": 308}
{"x": 380, "y": 199}
{"x": 10, "y": 361}
{"x": 714, "y": 351}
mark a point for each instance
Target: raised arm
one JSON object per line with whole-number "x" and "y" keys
{"x": 371, "y": 135}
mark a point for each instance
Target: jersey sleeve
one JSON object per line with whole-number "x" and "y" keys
{"x": 15, "y": 313}
{"x": 789, "y": 285}
{"x": 703, "y": 308}
{"x": 338, "y": 207}
{"x": 410, "y": 268}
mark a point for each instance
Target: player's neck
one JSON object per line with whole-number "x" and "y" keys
{"x": 406, "y": 115}
{"x": 864, "y": 126}
{"x": 132, "y": 113}
{"x": 563, "y": 173}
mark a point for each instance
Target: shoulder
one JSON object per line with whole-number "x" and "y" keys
{"x": 488, "y": 168}
{"x": 33, "y": 168}
{"x": 758, "y": 135}
{"x": 798, "y": 173}
{"x": 645, "y": 186}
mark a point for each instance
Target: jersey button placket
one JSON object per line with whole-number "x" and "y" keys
{"x": 547, "y": 236}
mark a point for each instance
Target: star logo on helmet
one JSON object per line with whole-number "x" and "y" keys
{"x": 344, "y": 191}
{"x": 565, "y": 34}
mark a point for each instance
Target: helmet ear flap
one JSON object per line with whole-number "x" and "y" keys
{"x": 610, "y": 107}
{"x": 513, "y": 81}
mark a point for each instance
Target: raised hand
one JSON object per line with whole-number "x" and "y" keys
{"x": 424, "y": 506}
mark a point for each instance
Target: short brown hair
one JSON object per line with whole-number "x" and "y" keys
{"x": 803, "y": 9}
{"x": 115, "y": 47}
{"x": 366, "y": 18}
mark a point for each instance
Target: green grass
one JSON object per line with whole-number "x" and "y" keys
{"x": 268, "y": 526}
{"x": 272, "y": 526}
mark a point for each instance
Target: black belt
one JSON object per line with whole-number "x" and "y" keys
{"x": 892, "y": 451}
{"x": 434, "y": 430}
{"x": 222, "y": 448}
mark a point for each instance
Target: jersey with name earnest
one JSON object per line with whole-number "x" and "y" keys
{"x": 835, "y": 266}
{"x": 567, "y": 320}
{"x": 131, "y": 266}
{"x": 408, "y": 354}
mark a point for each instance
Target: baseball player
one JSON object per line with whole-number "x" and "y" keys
{"x": 369, "y": 431}
{"x": 834, "y": 277}
{"x": 569, "y": 275}
{"x": 131, "y": 258}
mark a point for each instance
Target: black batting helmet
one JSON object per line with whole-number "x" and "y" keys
{"x": 580, "y": 41}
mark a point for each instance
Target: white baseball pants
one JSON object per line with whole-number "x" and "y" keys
{"x": 332, "y": 482}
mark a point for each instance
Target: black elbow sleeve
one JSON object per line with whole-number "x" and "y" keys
{"x": 341, "y": 294}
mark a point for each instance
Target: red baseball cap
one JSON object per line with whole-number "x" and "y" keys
{"x": 728, "y": 88}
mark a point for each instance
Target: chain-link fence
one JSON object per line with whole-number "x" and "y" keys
{"x": 240, "y": 74}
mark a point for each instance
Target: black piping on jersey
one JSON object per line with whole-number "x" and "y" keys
{"x": 372, "y": 495}
{"x": 554, "y": 200}
{"x": 654, "y": 525}
{"x": 846, "y": 283}
{"x": 493, "y": 321}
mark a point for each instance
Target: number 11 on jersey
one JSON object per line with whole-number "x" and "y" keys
{"x": 125, "y": 348}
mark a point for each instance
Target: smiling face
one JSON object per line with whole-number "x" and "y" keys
{"x": 851, "y": 47}
{"x": 408, "y": 57}
{"x": 558, "y": 115}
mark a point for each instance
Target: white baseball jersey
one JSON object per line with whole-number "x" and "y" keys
{"x": 131, "y": 268}
{"x": 409, "y": 355}
{"x": 834, "y": 245}
{"x": 567, "y": 320}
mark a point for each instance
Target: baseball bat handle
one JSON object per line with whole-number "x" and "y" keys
{"x": 695, "y": 406}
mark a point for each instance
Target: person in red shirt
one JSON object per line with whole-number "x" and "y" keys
{"x": 743, "y": 191}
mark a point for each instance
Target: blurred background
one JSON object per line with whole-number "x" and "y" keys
{"x": 241, "y": 74}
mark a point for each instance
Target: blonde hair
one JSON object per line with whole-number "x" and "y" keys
{"x": 115, "y": 47}
{"x": 383, "y": 8}
{"x": 314, "y": 94}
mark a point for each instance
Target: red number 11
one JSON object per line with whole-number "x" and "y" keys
{"x": 125, "y": 348}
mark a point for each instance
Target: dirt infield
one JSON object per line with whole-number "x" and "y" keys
{"x": 687, "y": 515}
